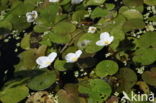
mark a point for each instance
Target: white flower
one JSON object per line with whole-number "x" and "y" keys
{"x": 31, "y": 16}
{"x": 105, "y": 39}
{"x": 76, "y": 1}
{"x": 92, "y": 29}
{"x": 54, "y": 1}
{"x": 45, "y": 61}
{"x": 73, "y": 57}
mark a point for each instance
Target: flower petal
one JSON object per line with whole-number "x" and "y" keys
{"x": 78, "y": 53}
{"x": 104, "y": 35}
{"x": 100, "y": 43}
{"x": 52, "y": 56}
{"x": 43, "y": 61}
{"x": 69, "y": 57}
{"x": 111, "y": 38}
{"x": 76, "y": 1}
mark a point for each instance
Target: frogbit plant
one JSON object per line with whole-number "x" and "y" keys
{"x": 92, "y": 29}
{"x": 45, "y": 61}
{"x": 105, "y": 39}
{"x": 54, "y": 1}
{"x": 77, "y": 51}
{"x": 31, "y": 16}
{"x": 73, "y": 57}
{"x": 76, "y": 1}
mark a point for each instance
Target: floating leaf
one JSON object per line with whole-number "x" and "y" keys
{"x": 99, "y": 12}
{"x": 69, "y": 94}
{"x": 79, "y": 15}
{"x": 97, "y": 90}
{"x": 25, "y": 42}
{"x": 132, "y": 14}
{"x": 150, "y": 2}
{"x": 109, "y": 6}
{"x": 143, "y": 86}
{"x": 127, "y": 79}
{"x": 14, "y": 94}
{"x": 106, "y": 67}
{"x": 5, "y": 27}
{"x": 93, "y": 2}
{"x": 147, "y": 40}
{"x": 133, "y": 3}
{"x": 42, "y": 81}
{"x": 87, "y": 42}
{"x": 145, "y": 56}
{"x": 149, "y": 77}
{"x": 64, "y": 28}
{"x": 59, "y": 38}
{"x": 133, "y": 24}
{"x": 27, "y": 60}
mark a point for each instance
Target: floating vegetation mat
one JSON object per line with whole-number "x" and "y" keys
{"x": 78, "y": 51}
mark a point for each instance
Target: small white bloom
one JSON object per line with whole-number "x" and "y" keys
{"x": 73, "y": 57}
{"x": 31, "y": 16}
{"x": 54, "y": 1}
{"x": 105, "y": 39}
{"x": 76, "y": 1}
{"x": 92, "y": 29}
{"x": 45, "y": 61}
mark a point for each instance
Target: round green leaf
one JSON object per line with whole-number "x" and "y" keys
{"x": 94, "y": 2}
{"x": 42, "y": 81}
{"x": 149, "y": 77}
{"x": 145, "y": 56}
{"x": 79, "y": 15}
{"x": 25, "y": 42}
{"x": 64, "y": 28}
{"x": 99, "y": 12}
{"x": 132, "y": 14}
{"x": 127, "y": 79}
{"x": 87, "y": 42}
{"x": 14, "y": 94}
{"x": 150, "y": 2}
{"x": 97, "y": 90}
{"x": 133, "y": 24}
{"x": 106, "y": 67}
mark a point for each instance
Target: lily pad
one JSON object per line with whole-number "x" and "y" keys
{"x": 106, "y": 67}
{"x": 132, "y": 14}
{"x": 133, "y": 24}
{"x": 149, "y": 37}
{"x": 42, "y": 81}
{"x": 88, "y": 41}
{"x": 93, "y": 2}
{"x": 69, "y": 94}
{"x": 127, "y": 79}
{"x": 99, "y": 12}
{"x": 150, "y": 2}
{"x": 145, "y": 56}
{"x": 14, "y": 94}
{"x": 97, "y": 90}
{"x": 64, "y": 28}
{"x": 25, "y": 42}
{"x": 27, "y": 60}
{"x": 149, "y": 77}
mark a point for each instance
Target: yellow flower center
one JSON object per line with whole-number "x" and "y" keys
{"x": 74, "y": 59}
{"x": 48, "y": 62}
{"x": 106, "y": 42}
